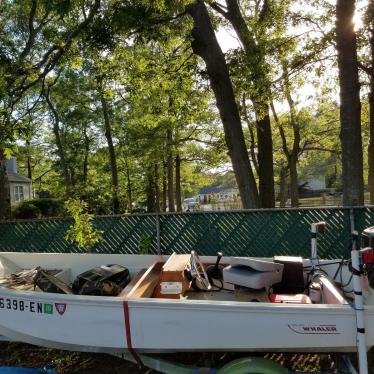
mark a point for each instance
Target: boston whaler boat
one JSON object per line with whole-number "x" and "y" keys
{"x": 186, "y": 303}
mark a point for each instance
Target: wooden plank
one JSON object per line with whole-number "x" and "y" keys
{"x": 132, "y": 283}
{"x": 148, "y": 281}
{"x": 176, "y": 263}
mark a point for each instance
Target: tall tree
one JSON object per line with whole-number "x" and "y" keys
{"x": 369, "y": 24}
{"x": 260, "y": 93}
{"x": 57, "y": 132}
{"x": 350, "y": 106}
{"x": 109, "y": 137}
{"x": 292, "y": 152}
{"x": 204, "y": 43}
{"x": 38, "y": 35}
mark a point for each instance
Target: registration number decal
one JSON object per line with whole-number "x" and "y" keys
{"x": 26, "y": 306}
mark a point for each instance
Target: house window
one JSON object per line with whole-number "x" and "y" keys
{"x": 18, "y": 193}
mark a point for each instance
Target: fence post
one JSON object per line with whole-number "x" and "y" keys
{"x": 158, "y": 234}
{"x": 352, "y": 219}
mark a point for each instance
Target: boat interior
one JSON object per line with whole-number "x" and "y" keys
{"x": 282, "y": 279}
{"x": 243, "y": 279}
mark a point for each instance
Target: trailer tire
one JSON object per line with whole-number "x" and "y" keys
{"x": 252, "y": 365}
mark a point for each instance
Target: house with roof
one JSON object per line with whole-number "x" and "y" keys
{"x": 218, "y": 194}
{"x": 20, "y": 186}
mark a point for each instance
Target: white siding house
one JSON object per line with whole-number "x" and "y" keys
{"x": 20, "y": 186}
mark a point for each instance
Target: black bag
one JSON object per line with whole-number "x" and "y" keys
{"x": 106, "y": 280}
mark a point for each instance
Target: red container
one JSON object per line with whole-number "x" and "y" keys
{"x": 290, "y": 299}
{"x": 367, "y": 255}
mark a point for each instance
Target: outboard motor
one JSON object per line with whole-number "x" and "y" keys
{"x": 367, "y": 253}
{"x": 106, "y": 280}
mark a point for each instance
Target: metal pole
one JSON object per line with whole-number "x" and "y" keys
{"x": 352, "y": 219}
{"x": 359, "y": 306}
{"x": 313, "y": 230}
{"x": 158, "y": 235}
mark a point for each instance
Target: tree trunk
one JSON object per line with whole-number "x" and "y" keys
{"x": 205, "y": 44}
{"x": 129, "y": 187}
{"x": 252, "y": 141}
{"x": 283, "y": 195}
{"x": 151, "y": 191}
{"x": 112, "y": 153}
{"x": 170, "y": 171}
{"x": 178, "y": 188}
{"x": 371, "y": 119}
{"x": 60, "y": 147}
{"x": 350, "y": 115}
{"x": 293, "y": 156}
{"x": 258, "y": 76}
{"x": 371, "y": 141}
{"x": 164, "y": 186}
{"x": 5, "y": 210}
{"x": 29, "y": 168}
{"x": 252, "y": 147}
{"x": 86, "y": 153}
{"x": 294, "y": 186}
{"x": 265, "y": 160}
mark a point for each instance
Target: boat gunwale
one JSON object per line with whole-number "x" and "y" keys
{"x": 218, "y": 305}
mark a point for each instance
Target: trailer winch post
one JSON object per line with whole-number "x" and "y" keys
{"x": 359, "y": 305}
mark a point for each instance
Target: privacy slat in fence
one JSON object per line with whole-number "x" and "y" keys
{"x": 236, "y": 233}
{"x": 256, "y": 233}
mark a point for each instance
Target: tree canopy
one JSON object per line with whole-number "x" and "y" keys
{"x": 128, "y": 104}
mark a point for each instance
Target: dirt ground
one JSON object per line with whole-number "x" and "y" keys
{"x": 23, "y": 355}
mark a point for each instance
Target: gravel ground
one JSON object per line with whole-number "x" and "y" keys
{"x": 24, "y": 355}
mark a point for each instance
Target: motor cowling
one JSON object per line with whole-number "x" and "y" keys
{"x": 106, "y": 280}
{"x": 367, "y": 253}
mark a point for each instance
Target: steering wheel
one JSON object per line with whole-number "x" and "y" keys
{"x": 196, "y": 272}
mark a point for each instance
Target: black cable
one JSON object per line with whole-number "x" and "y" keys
{"x": 339, "y": 268}
{"x": 330, "y": 263}
{"x": 341, "y": 281}
{"x": 197, "y": 288}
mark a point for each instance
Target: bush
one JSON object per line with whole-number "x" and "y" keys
{"x": 50, "y": 207}
{"x": 26, "y": 210}
{"x": 38, "y": 208}
{"x": 82, "y": 233}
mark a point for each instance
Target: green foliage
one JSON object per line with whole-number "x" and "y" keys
{"x": 145, "y": 245}
{"x": 49, "y": 207}
{"x": 26, "y": 210}
{"x": 82, "y": 232}
{"x": 140, "y": 53}
{"x": 38, "y": 208}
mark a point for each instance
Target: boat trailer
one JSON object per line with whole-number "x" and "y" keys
{"x": 244, "y": 365}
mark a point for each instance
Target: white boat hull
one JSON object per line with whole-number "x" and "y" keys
{"x": 89, "y": 323}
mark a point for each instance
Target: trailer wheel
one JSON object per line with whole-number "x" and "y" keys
{"x": 252, "y": 365}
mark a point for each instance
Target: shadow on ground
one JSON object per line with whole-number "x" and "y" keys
{"x": 24, "y": 355}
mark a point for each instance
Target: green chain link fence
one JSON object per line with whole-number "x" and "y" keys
{"x": 236, "y": 233}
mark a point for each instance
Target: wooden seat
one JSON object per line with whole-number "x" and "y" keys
{"x": 172, "y": 281}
